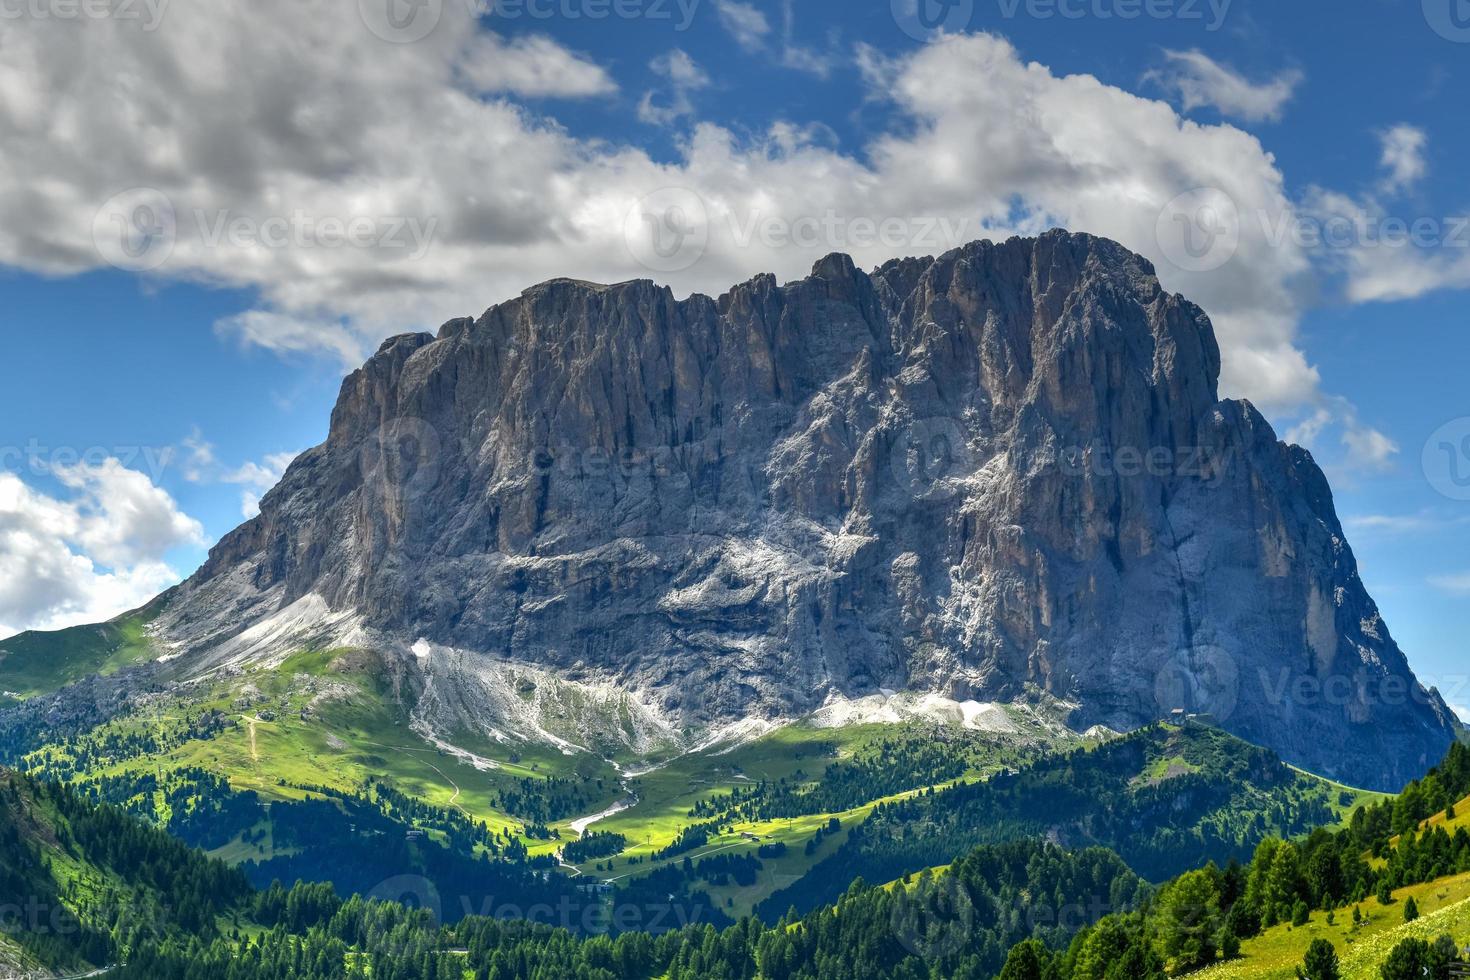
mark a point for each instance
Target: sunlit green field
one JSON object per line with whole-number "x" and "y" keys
{"x": 349, "y": 732}
{"x": 39, "y": 663}
{"x": 1444, "y": 908}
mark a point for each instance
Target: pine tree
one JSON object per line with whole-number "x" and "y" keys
{"x": 1321, "y": 962}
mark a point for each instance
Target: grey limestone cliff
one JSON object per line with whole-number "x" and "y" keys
{"x": 1002, "y": 471}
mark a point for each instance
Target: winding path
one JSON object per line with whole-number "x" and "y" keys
{"x": 453, "y": 800}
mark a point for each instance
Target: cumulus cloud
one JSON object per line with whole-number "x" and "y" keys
{"x": 1200, "y": 81}
{"x": 91, "y": 555}
{"x": 290, "y": 120}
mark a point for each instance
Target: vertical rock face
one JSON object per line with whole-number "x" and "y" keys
{"x": 995, "y": 472}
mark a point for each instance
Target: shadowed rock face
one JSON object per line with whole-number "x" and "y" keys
{"x": 1001, "y": 470}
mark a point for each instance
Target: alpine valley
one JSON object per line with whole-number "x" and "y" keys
{"x": 934, "y": 621}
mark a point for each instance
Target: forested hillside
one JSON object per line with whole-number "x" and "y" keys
{"x": 1025, "y": 910}
{"x": 1166, "y": 799}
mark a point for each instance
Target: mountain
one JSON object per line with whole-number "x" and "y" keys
{"x": 600, "y": 516}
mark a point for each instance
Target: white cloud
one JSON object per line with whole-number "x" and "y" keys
{"x": 1201, "y": 81}
{"x": 1360, "y": 447}
{"x": 752, "y": 31}
{"x": 200, "y": 459}
{"x": 1403, "y": 156}
{"x": 286, "y": 334}
{"x": 1402, "y": 523}
{"x": 122, "y": 518}
{"x": 1462, "y": 712}
{"x": 259, "y": 477}
{"x": 684, "y": 77}
{"x": 745, "y": 23}
{"x": 87, "y": 558}
{"x": 307, "y": 110}
{"x": 1369, "y": 448}
{"x": 263, "y": 475}
{"x": 1384, "y": 251}
{"x": 203, "y": 466}
{"x": 532, "y": 66}
{"x": 1458, "y": 584}
{"x": 1387, "y": 275}
{"x": 799, "y": 57}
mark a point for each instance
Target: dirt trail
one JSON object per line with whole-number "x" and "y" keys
{"x": 453, "y": 800}
{"x": 254, "y": 751}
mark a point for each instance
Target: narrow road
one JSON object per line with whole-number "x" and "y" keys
{"x": 576, "y": 871}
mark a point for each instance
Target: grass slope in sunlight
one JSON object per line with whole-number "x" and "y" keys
{"x": 40, "y": 663}
{"x": 1444, "y": 908}
{"x": 319, "y": 719}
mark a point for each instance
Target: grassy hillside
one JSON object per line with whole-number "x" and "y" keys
{"x": 325, "y": 739}
{"x": 1166, "y": 799}
{"x": 39, "y": 663}
{"x": 1442, "y": 821}
{"x": 1444, "y": 908}
{"x": 198, "y": 920}
{"x": 1016, "y": 903}
{"x": 1364, "y": 942}
{"x": 331, "y": 725}
{"x": 1027, "y": 903}
{"x": 784, "y": 789}
{"x": 322, "y": 720}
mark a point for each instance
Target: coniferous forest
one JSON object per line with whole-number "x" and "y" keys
{"x": 106, "y": 888}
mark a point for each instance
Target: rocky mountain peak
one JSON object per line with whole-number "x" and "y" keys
{"x": 999, "y": 473}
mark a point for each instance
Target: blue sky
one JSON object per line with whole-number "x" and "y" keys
{"x": 500, "y": 149}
